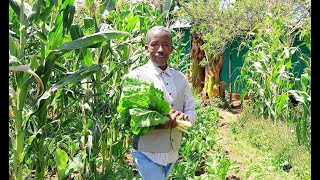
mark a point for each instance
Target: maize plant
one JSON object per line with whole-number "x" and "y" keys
{"x": 269, "y": 74}
{"x": 76, "y": 67}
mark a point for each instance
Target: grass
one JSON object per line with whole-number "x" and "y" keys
{"x": 269, "y": 151}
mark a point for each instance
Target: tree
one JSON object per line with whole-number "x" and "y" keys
{"x": 215, "y": 25}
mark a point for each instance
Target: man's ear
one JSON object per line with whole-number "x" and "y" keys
{"x": 146, "y": 47}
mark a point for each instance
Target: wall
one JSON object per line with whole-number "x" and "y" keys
{"x": 237, "y": 61}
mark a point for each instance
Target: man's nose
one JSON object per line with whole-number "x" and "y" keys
{"x": 160, "y": 49}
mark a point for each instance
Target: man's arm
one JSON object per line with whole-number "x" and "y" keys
{"x": 189, "y": 104}
{"x": 188, "y": 114}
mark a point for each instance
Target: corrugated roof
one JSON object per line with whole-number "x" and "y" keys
{"x": 180, "y": 24}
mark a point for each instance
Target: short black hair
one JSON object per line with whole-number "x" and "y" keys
{"x": 160, "y": 28}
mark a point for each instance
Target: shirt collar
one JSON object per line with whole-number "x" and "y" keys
{"x": 154, "y": 68}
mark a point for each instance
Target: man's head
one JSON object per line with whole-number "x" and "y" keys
{"x": 159, "y": 45}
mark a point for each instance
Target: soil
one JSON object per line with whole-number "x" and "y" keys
{"x": 224, "y": 142}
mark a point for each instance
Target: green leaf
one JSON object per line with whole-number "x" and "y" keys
{"x": 10, "y": 14}
{"x": 68, "y": 15}
{"x": 16, "y": 8}
{"x": 42, "y": 37}
{"x": 61, "y": 159}
{"x": 93, "y": 39}
{"x": 77, "y": 76}
{"x": 305, "y": 79}
{"x": 73, "y": 78}
{"x": 46, "y": 13}
{"x": 142, "y": 106}
{"x": 33, "y": 15}
{"x": 30, "y": 139}
{"x": 75, "y": 164}
{"x": 89, "y": 25}
{"x": 281, "y": 103}
{"x": 145, "y": 118}
{"x": 12, "y": 46}
{"x": 86, "y": 57}
{"x": 27, "y": 69}
{"x": 107, "y": 6}
{"x": 21, "y": 157}
{"x": 60, "y": 67}
{"x": 66, "y": 3}
{"x": 75, "y": 32}
{"x": 55, "y": 35}
{"x": 132, "y": 23}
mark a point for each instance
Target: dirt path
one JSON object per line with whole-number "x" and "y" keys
{"x": 224, "y": 140}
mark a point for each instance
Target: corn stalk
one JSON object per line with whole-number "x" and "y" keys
{"x": 270, "y": 76}
{"x": 19, "y": 98}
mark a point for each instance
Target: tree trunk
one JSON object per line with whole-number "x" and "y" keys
{"x": 213, "y": 75}
{"x": 205, "y": 80}
{"x": 197, "y": 55}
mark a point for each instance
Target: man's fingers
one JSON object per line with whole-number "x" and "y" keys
{"x": 185, "y": 117}
{"x": 176, "y": 114}
{"x": 181, "y": 116}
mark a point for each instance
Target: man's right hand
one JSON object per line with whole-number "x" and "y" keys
{"x": 173, "y": 115}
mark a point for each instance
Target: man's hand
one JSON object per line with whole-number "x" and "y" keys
{"x": 173, "y": 115}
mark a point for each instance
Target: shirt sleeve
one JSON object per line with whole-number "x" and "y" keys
{"x": 189, "y": 103}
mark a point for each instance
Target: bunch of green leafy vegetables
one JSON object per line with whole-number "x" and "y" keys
{"x": 141, "y": 107}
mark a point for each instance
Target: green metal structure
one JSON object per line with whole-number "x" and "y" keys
{"x": 237, "y": 60}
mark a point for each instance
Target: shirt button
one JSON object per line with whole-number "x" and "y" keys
{"x": 167, "y": 83}
{"x": 169, "y": 93}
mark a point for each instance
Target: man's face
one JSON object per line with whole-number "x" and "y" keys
{"x": 159, "y": 48}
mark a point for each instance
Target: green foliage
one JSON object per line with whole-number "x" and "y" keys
{"x": 141, "y": 107}
{"x": 196, "y": 147}
{"x": 280, "y": 156}
{"x": 218, "y": 165}
{"x": 61, "y": 159}
{"x": 80, "y": 69}
{"x": 219, "y": 23}
{"x": 269, "y": 76}
{"x": 219, "y": 102}
{"x": 117, "y": 171}
{"x": 136, "y": 18}
{"x": 142, "y": 120}
{"x": 178, "y": 59}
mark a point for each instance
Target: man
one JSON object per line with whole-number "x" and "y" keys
{"x": 155, "y": 153}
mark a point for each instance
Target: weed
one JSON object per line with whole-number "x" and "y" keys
{"x": 220, "y": 102}
{"x": 279, "y": 153}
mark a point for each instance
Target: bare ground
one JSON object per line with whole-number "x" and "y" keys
{"x": 224, "y": 140}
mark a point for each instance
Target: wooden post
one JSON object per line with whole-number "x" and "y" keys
{"x": 230, "y": 73}
{"x": 161, "y": 6}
